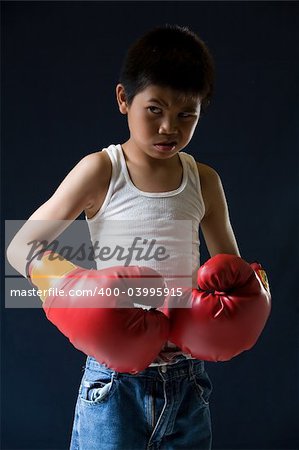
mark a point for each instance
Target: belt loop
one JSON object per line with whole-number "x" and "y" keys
{"x": 191, "y": 375}
{"x": 114, "y": 375}
{"x": 162, "y": 372}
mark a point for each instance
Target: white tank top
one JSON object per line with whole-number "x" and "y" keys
{"x": 173, "y": 217}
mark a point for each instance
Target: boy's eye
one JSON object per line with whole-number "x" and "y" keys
{"x": 186, "y": 115}
{"x": 154, "y": 109}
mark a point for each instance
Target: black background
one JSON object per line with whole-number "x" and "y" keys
{"x": 60, "y": 64}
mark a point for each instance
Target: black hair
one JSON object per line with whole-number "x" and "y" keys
{"x": 170, "y": 56}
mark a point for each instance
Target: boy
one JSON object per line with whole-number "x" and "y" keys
{"x": 165, "y": 84}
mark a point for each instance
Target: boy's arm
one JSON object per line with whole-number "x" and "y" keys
{"x": 215, "y": 225}
{"x": 228, "y": 310}
{"x": 106, "y": 327}
{"x": 85, "y": 185}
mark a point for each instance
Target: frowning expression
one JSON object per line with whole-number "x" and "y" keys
{"x": 161, "y": 121}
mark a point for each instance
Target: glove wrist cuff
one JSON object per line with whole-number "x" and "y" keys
{"x": 31, "y": 262}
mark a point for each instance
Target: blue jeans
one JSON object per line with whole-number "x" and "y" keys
{"x": 163, "y": 408}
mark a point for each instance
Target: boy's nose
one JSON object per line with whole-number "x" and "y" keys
{"x": 168, "y": 126}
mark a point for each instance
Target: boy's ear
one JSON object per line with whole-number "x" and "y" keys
{"x": 121, "y": 99}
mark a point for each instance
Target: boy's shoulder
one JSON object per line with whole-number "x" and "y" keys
{"x": 207, "y": 174}
{"x": 210, "y": 183}
{"x": 95, "y": 160}
{"x": 96, "y": 165}
{"x": 92, "y": 172}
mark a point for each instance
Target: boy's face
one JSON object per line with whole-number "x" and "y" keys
{"x": 161, "y": 121}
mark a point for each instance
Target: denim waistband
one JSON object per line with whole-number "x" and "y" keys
{"x": 182, "y": 368}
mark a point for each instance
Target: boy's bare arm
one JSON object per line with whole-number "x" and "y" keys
{"x": 82, "y": 189}
{"x": 216, "y": 226}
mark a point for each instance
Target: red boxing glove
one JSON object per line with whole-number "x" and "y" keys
{"x": 104, "y": 325}
{"x": 226, "y": 315}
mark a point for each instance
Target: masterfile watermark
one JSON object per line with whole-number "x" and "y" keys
{"x": 142, "y": 249}
{"x": 166, "y": 246}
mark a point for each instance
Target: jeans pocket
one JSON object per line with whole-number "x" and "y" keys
{"x": 93, "y": 392}
{"x": 203, "y": 387}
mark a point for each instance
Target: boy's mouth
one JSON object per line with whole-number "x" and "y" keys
{"x": 165, "y": 146}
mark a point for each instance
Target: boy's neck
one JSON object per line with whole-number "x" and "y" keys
{"x": 153, "y": 174}
{"x": 137, "y": 157}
